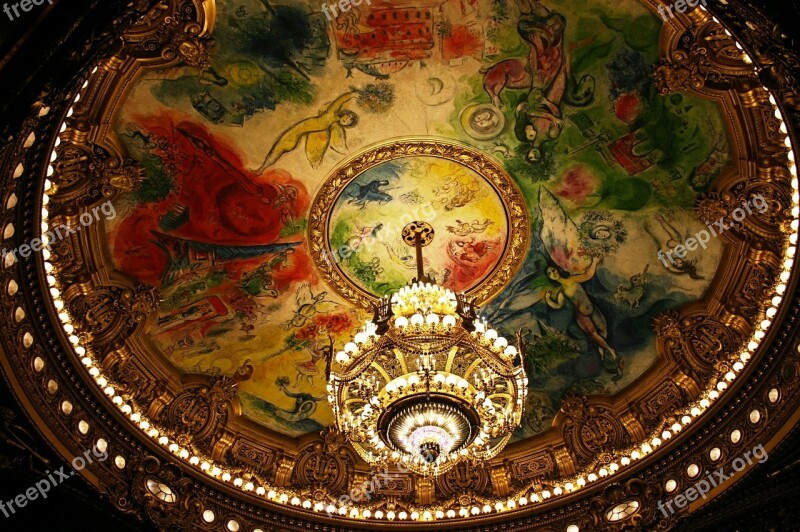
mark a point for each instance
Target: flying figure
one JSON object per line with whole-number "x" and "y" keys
{"x": 327, "y": 129}
{"x": 566, "y": 272}
{"x": 371, "y": 192}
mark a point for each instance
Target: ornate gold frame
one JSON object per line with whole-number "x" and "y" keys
{"x": 515, "y": 209}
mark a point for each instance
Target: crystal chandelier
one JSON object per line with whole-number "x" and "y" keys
{"x": 426, "y": 383}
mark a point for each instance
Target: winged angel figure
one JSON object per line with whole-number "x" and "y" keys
{"x": 564, "y": 274}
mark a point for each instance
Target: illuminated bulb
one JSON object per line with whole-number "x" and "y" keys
{"x": 417, "y": 319}
{"x": 342, "y": 357}
{"x": 350, "y": 347}
{"x": 449, "y": 321}
{"x": 360, "y": 338}
{"x": 490, "y": 335}
{"x": 401, "y": 322}
{"x": 510, "y": 351}
{"x": 500, "y": 343}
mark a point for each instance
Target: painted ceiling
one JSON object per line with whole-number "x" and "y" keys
{"x": 243, "y": 158}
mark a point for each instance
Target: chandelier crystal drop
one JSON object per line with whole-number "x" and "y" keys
{"x": 426, "y": 383}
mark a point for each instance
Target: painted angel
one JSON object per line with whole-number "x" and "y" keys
{"x": 327, "y": 129}
{"x": 566, "y": 271}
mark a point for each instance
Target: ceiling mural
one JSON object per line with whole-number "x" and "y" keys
{"x": 558, "y": 94}
{"x": 617, "y": 193}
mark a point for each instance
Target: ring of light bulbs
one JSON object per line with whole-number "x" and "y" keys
{"x": 205, "y": 465}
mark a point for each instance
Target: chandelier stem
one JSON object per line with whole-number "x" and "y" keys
{"x": 418, "y": 247}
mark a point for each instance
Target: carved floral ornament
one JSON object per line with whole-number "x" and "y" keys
{"x": 188, "y": 444}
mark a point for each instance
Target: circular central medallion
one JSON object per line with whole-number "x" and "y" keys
{"x": 474, "y": 207}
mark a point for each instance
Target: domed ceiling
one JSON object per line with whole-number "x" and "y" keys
{"x": 617, "y": 188}
{"x": 258, "y": 257}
